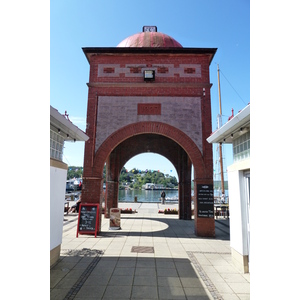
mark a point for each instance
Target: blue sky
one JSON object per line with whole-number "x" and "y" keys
{"x": 218, "y": 24}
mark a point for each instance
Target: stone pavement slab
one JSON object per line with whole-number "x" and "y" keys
{"x": 182, "y": 266}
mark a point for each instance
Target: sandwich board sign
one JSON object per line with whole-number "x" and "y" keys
{"x": 115, "y": 219}
{"x": 88, "y": 218}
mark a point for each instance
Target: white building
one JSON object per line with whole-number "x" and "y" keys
{"x": 237, "y": 132}
{"x": 153, "y": 186}
{"x": 61, "y": 130}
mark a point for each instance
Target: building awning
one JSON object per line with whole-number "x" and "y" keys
{"x": 240, "y": 123}
{"x": 66, "y": 127}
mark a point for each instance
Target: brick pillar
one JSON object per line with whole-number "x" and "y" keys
{"x": 112, "y": 182}
{"x": 204, "y": 227}
{"x": 184, "y": 187}
{"x": 184, "y": 192}
{"x": 111, "y": 199}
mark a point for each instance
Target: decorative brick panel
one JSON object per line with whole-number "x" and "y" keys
{"x": 189, "y": 70}
{"x": 183, "y": 113}
{"x": 149, "y": 109}
{"x": 135, "y": 70}
{"x": 162, "y": 70}
{"x": 108, "y": 70}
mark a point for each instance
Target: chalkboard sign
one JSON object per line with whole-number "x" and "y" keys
{"x": 205, "y": 200}
{"x": 88, "y": 218}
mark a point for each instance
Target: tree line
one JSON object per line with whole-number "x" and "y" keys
{"x": 137, "y": 178}
{"x": 134, "y": 178}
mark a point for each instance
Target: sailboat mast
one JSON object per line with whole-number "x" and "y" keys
{"x": 220, "y": 144}
{"x": 220, "y": 106}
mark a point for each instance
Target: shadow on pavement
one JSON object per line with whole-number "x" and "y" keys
{"x": 86, "y": 274}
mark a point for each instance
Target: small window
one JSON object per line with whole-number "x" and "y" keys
{"x": 56, "y": 145}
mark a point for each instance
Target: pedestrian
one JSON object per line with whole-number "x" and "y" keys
{"x": 75, "y": 207}
{"x": 163, "y": 196}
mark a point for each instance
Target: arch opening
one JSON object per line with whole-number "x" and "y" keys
{"x": 151, "y": 161}
{"x": 144, "y": 176}
{"x": 156, "y": 137}
{"x": 156, "y": 143}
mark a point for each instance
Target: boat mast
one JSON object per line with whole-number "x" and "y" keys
{"x": 220, "y": 144}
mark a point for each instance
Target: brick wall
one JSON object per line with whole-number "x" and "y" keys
{"x": 116, "y": 112}
{"x": 116, "y": 87}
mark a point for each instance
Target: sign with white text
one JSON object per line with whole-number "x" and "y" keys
{"x": 88, "y": 219}
{"x": 205, "y": 200}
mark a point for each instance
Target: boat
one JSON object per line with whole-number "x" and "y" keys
{"x": 170, "y": 199}
{"x": 74, "y": 184}
{"x": 153, "y": 186}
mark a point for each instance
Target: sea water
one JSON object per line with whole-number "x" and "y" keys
{"x": 151, "y": 195}
{"x": 145, "y": 195}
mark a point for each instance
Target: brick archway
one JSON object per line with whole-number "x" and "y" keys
{"x": 144, "y": 143}
{"x": 93, "y": 185}
{"x": 151, "y": 128}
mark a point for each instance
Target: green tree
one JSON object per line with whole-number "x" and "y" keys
{"x": 74, "y": 172}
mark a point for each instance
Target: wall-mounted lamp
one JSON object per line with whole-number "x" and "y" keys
{"x": 58, "y": 130}
{"x": 203, "y": 92}
{"x": 149, "y": 75}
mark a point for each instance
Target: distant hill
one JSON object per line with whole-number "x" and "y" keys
{"x": 217, "y": 184}
{"x": 132, "y": 178}
{"x": 136, "y": 178}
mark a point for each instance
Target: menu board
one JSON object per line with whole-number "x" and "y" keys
{"x": 205, "y": 200}
{"x": 88, "y": 218}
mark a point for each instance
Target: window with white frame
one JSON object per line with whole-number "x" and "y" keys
{"x": 241, "y": 147}
{"x": 56, "y": 145}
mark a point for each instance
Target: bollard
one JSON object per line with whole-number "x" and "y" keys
{"x": 135, "y": 199}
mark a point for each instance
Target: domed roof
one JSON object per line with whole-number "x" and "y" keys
{"x": 150, "y": 39}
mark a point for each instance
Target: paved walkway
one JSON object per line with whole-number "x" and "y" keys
{"x": 153, "y": 256}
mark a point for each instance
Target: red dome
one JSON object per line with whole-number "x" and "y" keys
{"x": 150, "y": 39}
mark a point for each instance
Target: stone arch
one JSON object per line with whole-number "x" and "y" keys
{"x": 92, "y": 185}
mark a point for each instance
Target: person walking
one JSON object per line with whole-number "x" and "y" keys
{"x": 163, "y": 197}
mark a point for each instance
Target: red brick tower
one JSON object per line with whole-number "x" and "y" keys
{"x": 149, "y": 94}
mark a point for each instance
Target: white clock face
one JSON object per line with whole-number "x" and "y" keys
{"x": 149, "y": 28}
